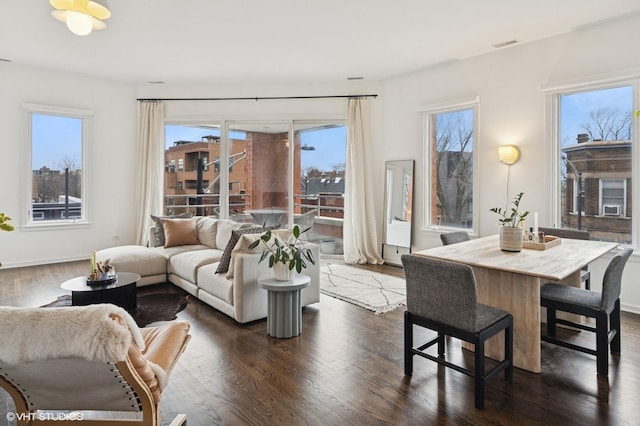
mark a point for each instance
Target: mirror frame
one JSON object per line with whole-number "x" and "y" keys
{"x": 398, "y": 198}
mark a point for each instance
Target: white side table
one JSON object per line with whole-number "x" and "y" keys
{"x": 284, "y": 309}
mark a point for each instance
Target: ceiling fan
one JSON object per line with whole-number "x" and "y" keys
{"x": 81, "y": 16}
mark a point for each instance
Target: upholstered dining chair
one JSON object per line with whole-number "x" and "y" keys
{"x": 441, "y": 296}
{"x": 88, "y": 364}
{"x": 604, "y": 307}
{"x": 454, "y": 237}
{"x": 574, "y": 234}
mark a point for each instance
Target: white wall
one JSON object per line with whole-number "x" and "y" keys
{"x": 111, "y": 163}
{"x": 509, "y": 84}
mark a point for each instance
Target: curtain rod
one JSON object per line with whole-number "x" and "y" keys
{"x": 257, "y": 98}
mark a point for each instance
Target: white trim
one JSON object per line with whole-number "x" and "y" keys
{"x": 85, "y": 116}
{"x": 608, "y": 80}
{"x": 553, "y": 92}
{"x": 452, "y": 105}
{"x": 461, "y": 104}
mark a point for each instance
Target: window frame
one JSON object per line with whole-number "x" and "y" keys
{"x": 427, "y": 111}
{"x": 86, "y": 117}
{"x": 553, "y": 94}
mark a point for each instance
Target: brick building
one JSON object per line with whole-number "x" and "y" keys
{"x": 605, "y": 169}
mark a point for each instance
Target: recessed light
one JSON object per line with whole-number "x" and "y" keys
{"x": 355, "y": 78}
{"x": 505, "y": 43}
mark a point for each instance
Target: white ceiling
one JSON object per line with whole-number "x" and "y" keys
{"x": 285, "y": 40}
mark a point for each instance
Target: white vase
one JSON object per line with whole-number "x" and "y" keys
{"x": 511, "y": 238}
{"x": 281, "y": 272}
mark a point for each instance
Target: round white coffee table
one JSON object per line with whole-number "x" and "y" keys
{"x": 284, "y": 309}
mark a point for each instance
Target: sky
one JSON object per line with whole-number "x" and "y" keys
{"x": 577, "y": 107}
{"x": 53, "y": 139}
{"x": 329, "y": 143}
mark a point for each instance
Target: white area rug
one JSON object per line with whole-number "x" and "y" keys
{"x": 371, "y": 290}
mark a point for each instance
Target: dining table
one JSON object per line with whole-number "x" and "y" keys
{"x": 512, "y": 280}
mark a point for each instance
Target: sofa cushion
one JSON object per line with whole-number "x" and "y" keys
{"x": 180, "y": 232}
{"x": 242, "y": 246}
{"x": 138, "y": 259}
{"x": 186, "y": 264}
{"x": 215, "y": 284}
{"x": 223, "y": 233}
{"x": 235, "y": 236}
{"x": 159, "y": 229}
{"x": 206, "y": 228}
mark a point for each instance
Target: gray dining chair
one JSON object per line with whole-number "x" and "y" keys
{"x": 574, "y": 234}
{"x": 441, "y": 296}
{"x": 454, "y": 237}
{"x": 604, "y": 307}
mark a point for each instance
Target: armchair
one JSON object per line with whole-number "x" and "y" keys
{"x": 88, "y": 364}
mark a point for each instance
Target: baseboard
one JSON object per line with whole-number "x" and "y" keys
{"x": 630, "y": 308}
{"x": 9, "y": 265}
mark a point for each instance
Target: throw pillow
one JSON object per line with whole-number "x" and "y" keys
{"x": 207, "y": 227}
{"x": 242, "y": 246}
{"x": 180, "y": 232}
{"x": 225, "y": 260}
{"x": 223, "y": 233}
{"x": 159, "y": 228}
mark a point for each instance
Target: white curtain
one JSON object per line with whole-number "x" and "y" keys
{"x": 360, "y": 229}
{"x": 150, "y": 166}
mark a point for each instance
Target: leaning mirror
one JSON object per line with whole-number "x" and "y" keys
{"x": 398, "y": 206}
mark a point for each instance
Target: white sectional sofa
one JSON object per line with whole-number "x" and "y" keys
{"x": 192, "y": 266}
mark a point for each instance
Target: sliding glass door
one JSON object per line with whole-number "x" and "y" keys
{"x": 267, "y": 173}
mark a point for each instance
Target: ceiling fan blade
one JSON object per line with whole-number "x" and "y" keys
{"x": 97, "y": 24}
{"x": 62, "y": 4}
{"x": 60, "y": 15}
{"x": 97, "y": 10}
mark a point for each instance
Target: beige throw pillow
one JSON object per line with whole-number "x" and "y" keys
{"x": 180, "y": 232}
{"x": 223, "y": 233}
{"x": 207, "y": 228}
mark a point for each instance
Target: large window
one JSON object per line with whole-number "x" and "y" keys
{"x": 449, "y": 144}
{"x": 277, "y": 173}
{"x": 56, "y": 179}
{"x": 594, "y": 140}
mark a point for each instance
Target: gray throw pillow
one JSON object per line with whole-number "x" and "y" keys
{"x": 159, "y": 228}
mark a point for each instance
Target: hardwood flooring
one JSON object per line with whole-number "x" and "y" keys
{"x": 346, "y": 368}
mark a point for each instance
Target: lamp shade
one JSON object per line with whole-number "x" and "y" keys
{"x": 81, "y": 16}
{"x": 508, "y": 154}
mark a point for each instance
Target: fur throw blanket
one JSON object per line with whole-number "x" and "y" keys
{"x": 101, "y": 333}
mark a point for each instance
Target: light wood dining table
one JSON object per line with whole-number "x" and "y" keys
{"x": 512, "y": 280}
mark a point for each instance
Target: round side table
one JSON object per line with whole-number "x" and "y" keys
{"x": 284, "y": 309}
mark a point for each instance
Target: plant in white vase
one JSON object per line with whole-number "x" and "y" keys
{"x": 286, "y": 256}
{"x": 511, "y": 219}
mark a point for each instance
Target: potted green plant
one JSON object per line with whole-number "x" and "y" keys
{"x": 285, "y": 257}
{"x": 5, "y": 225}
{"x": 511, "y": 230}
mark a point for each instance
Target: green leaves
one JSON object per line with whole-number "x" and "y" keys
{"x": 515, "y": 216}
{"x": 292, "y": 253}
{"x": 4, "y": 223}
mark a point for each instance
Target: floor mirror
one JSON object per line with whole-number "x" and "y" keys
{"x": 398, "y": 207}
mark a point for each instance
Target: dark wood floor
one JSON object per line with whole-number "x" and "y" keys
{"x": 347, "y": 369}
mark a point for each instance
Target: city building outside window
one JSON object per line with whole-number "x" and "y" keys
{"x": 593, "y": 140}
{"x": 449, "y": 146}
